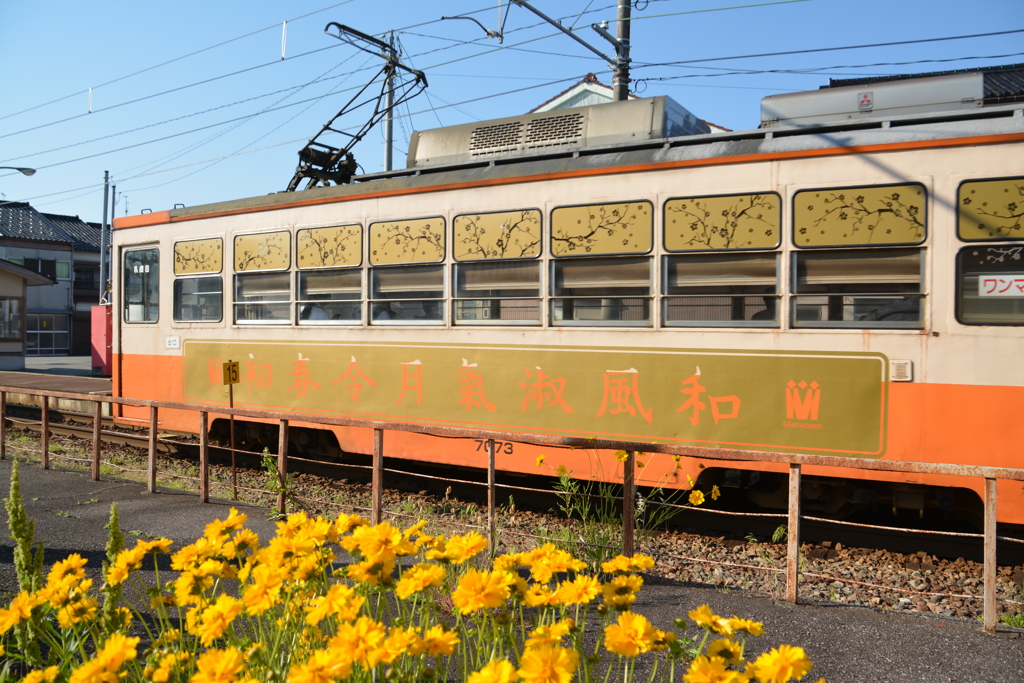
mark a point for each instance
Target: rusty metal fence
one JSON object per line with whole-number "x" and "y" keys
{"x": 795, "y": 463}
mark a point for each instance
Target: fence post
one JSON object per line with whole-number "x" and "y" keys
{"x": 377, "y": 482}
{"x": 46, "y": 433}
{"x": 204, "y": 457}
{"x": 97, "y": 448}
{"x": 628, "y": 507}
{"x": 151, "y": 465}
{"x": 793, "y": 535}
{"x": 282, "y": 465}
{"x": 3, "y": 425}
{"x": 491, "y": 540}
{"x": 990, "y": 556}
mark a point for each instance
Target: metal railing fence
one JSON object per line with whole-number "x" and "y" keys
{"x": 795, "y": 463}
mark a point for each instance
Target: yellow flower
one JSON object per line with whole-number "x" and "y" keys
{"x": 398, "y": 642}
{"x": 696, "y": 497}
{"x": 754, "y": 628}
{"x": 19, "y": 610}
{"x": 168, "y": 663}
{"x": 728, "y": 650}
{"x": 439, "y": 641}
{"x": 380, "y": 543}
{"x": 579, "y": 591}
{"x": 219, "y": 666}
{"x": 712, "y": 670}
{"x": 340, "y": 601}
{"x": 77, "y": 611}
{"x": 715, "y": 493}
{"x": 540, "y": 595}
{"x": 620, "y": 592}
{"x": 71, "y": 566}
{"x": 323, "y": 666}
{"x": 562, "y": 471}
{"x": 42, "y": 675}
{"x": 621, "y": 456}
{"x": 372, "y": 573}
{"x": 262, "y": 593}
{"x": 540, "y": 460}
{"x": 781, "y": 665}
{"x": 547, "y": 560}
{"x": 479, "y": 590}
{"x": 216, "y": 618}
{"x": 346, "y": 523}
{"x": 118, "y": 649}
{"x": 623, "y": 564}
{"x": 497, "y": 671}
{"x": 461, "y": 548}
{"x": 548, "y": 664}
{"x": 705, "y": 618}
{"x": 360, "y": 640}
{"x": 629, "y": 637}
{"x": 419, "y": 578}
{"x": 218, "y": 529}
{"x": 550, "y": 634}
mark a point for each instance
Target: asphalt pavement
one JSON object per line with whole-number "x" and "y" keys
{"x": 847, "y": 644}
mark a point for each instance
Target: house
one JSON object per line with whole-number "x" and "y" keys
{"x": 56, "y": 317}
{"x": 14, "y": 283}
{"x": 591, "y": 91}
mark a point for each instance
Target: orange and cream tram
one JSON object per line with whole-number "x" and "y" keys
{"x": 850, "y": 287}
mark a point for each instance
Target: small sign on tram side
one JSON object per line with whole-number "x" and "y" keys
{"x": 231, "y": 374}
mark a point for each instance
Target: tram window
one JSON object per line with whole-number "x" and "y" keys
{"x": 601, "y": 292}
{"x": 718, "y": 290}
{"x": 198, "y": 299}
{"x": 990, "y": 285}
{"x": 503, "y": 292}
{"x": 330, "y": 296}
{"x": 142, "y": 285}
{"x": 263, "y": 298}
{"x": 859, "y": 288}
{"x": 409, "y": 295}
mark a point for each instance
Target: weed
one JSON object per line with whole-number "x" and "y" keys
{"x": 780, "y": 534}
{"x": 409, "y": 507}
{"x": 88, "y": 502}
{"x": 56, "y": 448}
{"x": 62, "y": 513}
{"x": 36, "y": 498}
{"x": 1014, "y": 620}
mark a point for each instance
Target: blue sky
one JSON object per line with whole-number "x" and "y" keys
{"x": 192, "y": 142}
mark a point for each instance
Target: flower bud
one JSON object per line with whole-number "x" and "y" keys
{"x": 429, "y": 673}
{"x": 680, "y": 622}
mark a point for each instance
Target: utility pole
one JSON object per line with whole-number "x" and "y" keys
{"x": 620, "y": 64}
{"x": 389, "y": 103}
{"x": 621, "y": 79}
{"x": 103, "y": 236}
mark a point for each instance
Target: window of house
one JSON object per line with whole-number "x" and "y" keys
{"x": 990, "y": 285}
{"x": 11, "y": 321}
{"x": 198, "y": 285}
{"x": 263, "y": 282}
{"x": 858, "y": 288}
{"x": 141, "y": 293}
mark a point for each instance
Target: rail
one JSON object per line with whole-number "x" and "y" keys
{"x": 795, "y": 463}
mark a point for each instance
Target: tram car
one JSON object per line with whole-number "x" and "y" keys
{"x": 845, "y": 280}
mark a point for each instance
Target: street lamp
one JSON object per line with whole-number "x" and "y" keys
{"x": 26, "y": 171}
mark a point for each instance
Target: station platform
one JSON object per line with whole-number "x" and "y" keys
{"x": 67, "y": 373}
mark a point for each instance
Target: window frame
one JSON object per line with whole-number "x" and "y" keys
{"x": 372, "y": 301}
{"x": 175, "y": 303}
{"x": 551, "y": 231}
{"x": 21, "y": 315}
{"x": 664, "y": 222}
{"x": 664, "y": 295}
{"x": 479, "y": 263}
{"x": 956, "y": 227}
{"x": 552, "y": 297}
{"x": 301, "y": 303}
{"x": 794, "y": 296}
{"x": 958, "y": 291}
{"x": 540, "y": 236}
{"x": 124, "y": 298}
{"x": 894, "y": 245}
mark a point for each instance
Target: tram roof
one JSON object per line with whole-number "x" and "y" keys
{"x": 780, "y": 142}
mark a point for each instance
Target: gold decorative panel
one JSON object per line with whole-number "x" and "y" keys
{"x": 505, "y": 234}
{"x": 341, "y": 245}
{"x": 199, "y": 256}
{"x": 602, "y": 229}
{"x": 263, "y": 251}
{"x": 991, "y": 209}
{"x": 740, "y": 221}
{"x": 870, "y": 215}
{"x": 414, "y": 241}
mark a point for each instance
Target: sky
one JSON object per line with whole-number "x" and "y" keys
{"x": 189, "y": 102}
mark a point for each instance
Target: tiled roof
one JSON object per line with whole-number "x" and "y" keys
{"x": 1003, "y": 84}
{"x": 86, "y": 236}
{"x": 18, "y": 219}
